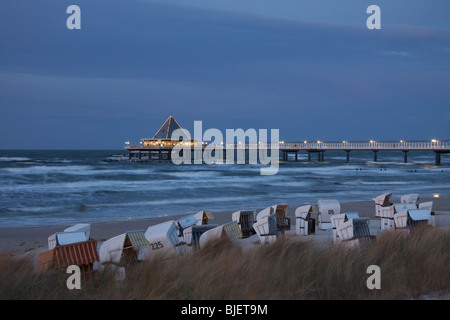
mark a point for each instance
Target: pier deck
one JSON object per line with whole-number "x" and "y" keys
{"x": 162, "y": 152}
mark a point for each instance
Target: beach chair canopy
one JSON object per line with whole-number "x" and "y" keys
{"x": 267, "y": 229}
{"x": 280, "y": 213}
{"x": 79, "y": 254}
{"x": 383, "y": 200}
{"x": 338, "y": 219}
{"x": 304, "y": 212}
{"x": 115, "y": 249}
{"x": 412, "y": 198}
{"x": 327, "y": 208}
{"x": 304, "y": 223}
{"x": 356, "y": 228}
{"x": 214, "y": 234}
{"x": 412, "y": 217}
{"x": 264, "y": 213}
{"x": 229, "y": 231}
{"x": 245, "y": 219}
{"x": 63, "y": 238}
{"x": 80, "y": 227}
{"x": 163, "y": 237}
{"x": 419, "y": 215}
{"x": 111, "y": 250}
{"x": 199, "y": 218}
{"x": 232, "y": 230}
{"x": 203, "y": 217}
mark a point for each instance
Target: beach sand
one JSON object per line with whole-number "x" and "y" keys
{"x": 33, "y": 240}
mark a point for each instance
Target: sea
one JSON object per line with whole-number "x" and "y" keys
{"x": 63, "y": 187}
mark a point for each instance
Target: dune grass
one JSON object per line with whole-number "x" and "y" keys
{"x": 411, "y": 267}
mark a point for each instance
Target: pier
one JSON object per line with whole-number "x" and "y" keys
{"x": 163, "y": 152}
{"x": 159, "y": 148}
{"x": 439, "y": 147}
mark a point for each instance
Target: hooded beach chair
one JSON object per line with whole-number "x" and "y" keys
{"x": 382, "y": 201}
{"x": 354, "y": 231}
{"x": 245, "y": 220}
{"x": 387, "y": 218}
{"x": 82, "y": 254}
{"x": 164, "y": 239}
{"x": 408, "y": 219}
{"x": 412, "y": 199}
{"x": 305, "y": 225}
{"x": 429, "y": 206}
{"x": 192, "y": 234}
{"x": 124, "y": 250}
{"x": 339, "y": 219}
{"x": 279, "y": 210}
{"x": 228, "y": 232}
{"x": 199, "y": 218}
{"x": 267, "y": 229}
{"x": 327, "y": 208}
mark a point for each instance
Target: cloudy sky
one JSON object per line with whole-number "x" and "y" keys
{"x": 309, "y": 68}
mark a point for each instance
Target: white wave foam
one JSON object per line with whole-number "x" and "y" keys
{"x": 12, "y": 159}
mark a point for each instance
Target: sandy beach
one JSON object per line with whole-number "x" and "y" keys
{"x": 33, "y": 240}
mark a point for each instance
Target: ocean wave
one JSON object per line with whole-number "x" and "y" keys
{"x": 359, "y": 182}
{"x": 79, "y": 169}
{"x": 85, "y": 170}
{"x": 14, "y": 159}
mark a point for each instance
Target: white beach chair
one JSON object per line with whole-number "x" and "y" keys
{"x": 163, "y": 239}
{"x": 192, "y": 235}
{"x": 387, "y": 218}
{"x": 338, "y": 220}
{"x": 411, "y": 218}
{"x": 382, "y": 201}
{"x": 124, "y": 250}
{"x": 264, "y": 213}
{"x": 245, "y": 219}
{"x": 279, "y": 211}
{"x": 229, "y": 232}
{"x": 327, "y": 208}
{"x": 410, "y": 199}
{"x": 429, "y": 206}
{"x": 266, "y": 229}
{"x": 354, "y": 231}
{"x": 304, "y": 224}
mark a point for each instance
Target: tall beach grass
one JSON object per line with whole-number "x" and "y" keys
{"x": 412, "y": 267}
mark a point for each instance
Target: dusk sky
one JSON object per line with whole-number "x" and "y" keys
{"x": 310, "y": 68}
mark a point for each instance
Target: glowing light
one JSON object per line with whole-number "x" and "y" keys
{"x": 436, "y": 195}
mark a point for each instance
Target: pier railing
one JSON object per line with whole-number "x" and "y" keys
{"x": 438, "y": 145}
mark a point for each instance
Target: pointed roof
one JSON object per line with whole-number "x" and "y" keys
{"x": 166, "y": 130}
